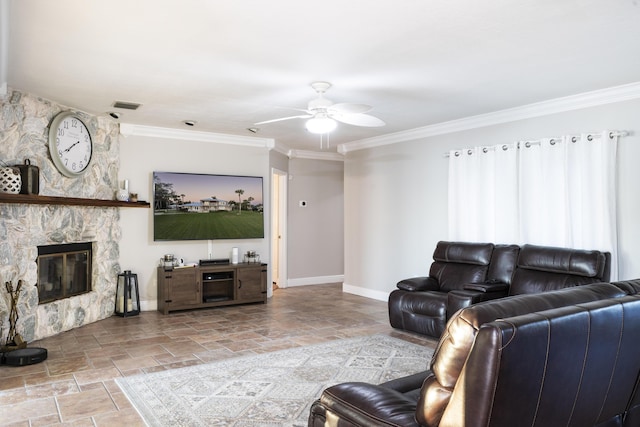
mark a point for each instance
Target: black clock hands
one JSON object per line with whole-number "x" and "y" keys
{"x": 71, "y": 146}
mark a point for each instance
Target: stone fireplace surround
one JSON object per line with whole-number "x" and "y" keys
{"x": 24, "y": 125}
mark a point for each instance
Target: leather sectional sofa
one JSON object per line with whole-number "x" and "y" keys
{"x": 559, "y": 358}
{"x": 465, "y": 273}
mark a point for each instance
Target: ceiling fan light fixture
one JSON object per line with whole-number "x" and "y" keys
{"x": 321, "y": 125}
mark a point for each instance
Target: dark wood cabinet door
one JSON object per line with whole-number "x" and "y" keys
{"x": 183, "y": 287}
{"x": 250, "y": 286}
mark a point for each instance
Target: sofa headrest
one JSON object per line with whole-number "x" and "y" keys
{"x": 563, "y": 260}
{"x": 631, "y": 287}
{"x": 463, "y": 252}
{"x": 459, "y": 335}
{"x": 503, "y": 263}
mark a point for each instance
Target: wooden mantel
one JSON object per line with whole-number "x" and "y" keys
{"x": 33, "y": 199}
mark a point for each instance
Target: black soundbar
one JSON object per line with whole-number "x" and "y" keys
{"x": 215, "y": 261}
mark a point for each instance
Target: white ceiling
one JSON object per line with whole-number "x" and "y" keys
{"x": 229, "y": 64}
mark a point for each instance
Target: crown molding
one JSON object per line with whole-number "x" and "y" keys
{"x": 568, "y": 103}
{"x": 307, "y": 154}
{"x": 282, "y": 149}
{"x": 315, "y": 155}
{"x": 128, "y": 129}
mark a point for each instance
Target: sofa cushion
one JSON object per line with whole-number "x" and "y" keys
{"x": 459, "y": 263}
{"x": 452, "y": 276}
{"x": 455, "y": 343}
{"x": 542, "y": 269}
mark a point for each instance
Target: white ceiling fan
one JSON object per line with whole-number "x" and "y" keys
{"x": 323, "y": 114}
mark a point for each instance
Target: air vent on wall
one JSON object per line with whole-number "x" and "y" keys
{"x": 126, "y": 105}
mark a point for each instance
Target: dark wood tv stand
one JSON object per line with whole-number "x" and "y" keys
{"x": 211, "y": 286}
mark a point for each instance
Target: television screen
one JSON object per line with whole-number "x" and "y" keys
{"x": 189, "y": 206}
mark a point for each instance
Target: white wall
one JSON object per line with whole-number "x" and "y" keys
{"x": 396, "y": 195}
{"x": 139, "y": 157}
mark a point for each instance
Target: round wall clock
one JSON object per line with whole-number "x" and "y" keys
{"x": 70, "y": 144}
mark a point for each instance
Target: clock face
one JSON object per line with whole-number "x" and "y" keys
{"x": 70, "y": 144}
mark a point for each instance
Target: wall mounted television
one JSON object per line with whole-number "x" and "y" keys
{"x": 191, "y": 206}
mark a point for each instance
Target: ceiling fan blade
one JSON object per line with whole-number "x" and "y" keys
{"x": 305, "y": 116}
{"x": 359, "y": 120}
{"x": 346, "y": 108}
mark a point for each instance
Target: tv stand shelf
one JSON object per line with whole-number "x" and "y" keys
{"x": 211, "y": 286}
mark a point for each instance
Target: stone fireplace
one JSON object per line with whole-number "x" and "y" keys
{"x": 24, "y": 227}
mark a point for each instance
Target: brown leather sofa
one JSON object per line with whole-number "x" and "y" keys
{"x": 560, "y": 358}
{"x": 465, "y": 273}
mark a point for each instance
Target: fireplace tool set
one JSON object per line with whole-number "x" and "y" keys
{"x": 15, "y": 352}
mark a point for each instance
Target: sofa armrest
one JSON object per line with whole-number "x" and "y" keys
{"x": 362, "y": 404}
{"x": 462, "y": 298}
{"x": 418, "y": 284}
{"x": 408, "y": 383}
{"x": 487, "y": 287}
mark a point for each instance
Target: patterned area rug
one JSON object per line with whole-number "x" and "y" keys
{"x": 271, "y": 389}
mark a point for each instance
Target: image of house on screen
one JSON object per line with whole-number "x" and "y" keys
{"x": 210, "y": 204}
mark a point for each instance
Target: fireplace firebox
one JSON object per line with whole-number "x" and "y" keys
{"x": 63, "y": 271}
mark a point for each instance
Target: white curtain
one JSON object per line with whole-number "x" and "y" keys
{"x": 556, "y": 192}
{"x": 478, "y": 180}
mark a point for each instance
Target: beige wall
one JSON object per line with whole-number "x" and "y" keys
{"x": 315, "y": 231}
{"x": 396, "y": 195}
{"x": 141, "y": 155}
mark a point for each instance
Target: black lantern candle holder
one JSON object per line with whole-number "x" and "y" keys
{"x": 127, "y": 295}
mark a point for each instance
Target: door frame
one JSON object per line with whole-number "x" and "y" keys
{"x": 278, "y": 240}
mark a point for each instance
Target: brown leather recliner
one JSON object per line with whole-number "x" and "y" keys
{"x": 464, "y": 273}
{"x": 566, "y": 357}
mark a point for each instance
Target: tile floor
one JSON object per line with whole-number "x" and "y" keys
{"x": 75, "y": 386}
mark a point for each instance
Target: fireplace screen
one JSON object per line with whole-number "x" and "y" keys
{"x": 63, "y": 271}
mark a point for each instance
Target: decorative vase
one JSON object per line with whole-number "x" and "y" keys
{"x": 123, "y": 193}
{"x": 10, "y": 180}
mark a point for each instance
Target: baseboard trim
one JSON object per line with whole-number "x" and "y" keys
{"x": 365, "y": 292}
{"x": 319, "y": 280}
{"x": 151, "y": 305}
